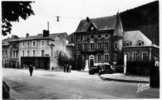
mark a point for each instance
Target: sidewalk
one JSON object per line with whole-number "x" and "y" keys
{"x": 125, "y": 78}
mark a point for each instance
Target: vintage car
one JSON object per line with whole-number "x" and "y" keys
{"x": 101, "y": 68}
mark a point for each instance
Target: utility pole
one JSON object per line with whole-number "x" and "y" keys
{"x": 48, "y": 25}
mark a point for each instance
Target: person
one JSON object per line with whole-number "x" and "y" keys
{"x": 30, "y": 70}
{"x": 70, "y": 68}
{"x": 67, "y": 66}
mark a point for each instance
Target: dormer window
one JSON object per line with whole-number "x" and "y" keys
{"x": 127, "y": 43}
{"x": 92, "y": 28}
{"x": 140, "y": 43}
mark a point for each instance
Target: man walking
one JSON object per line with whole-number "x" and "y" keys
{"x": 30, "y": 70}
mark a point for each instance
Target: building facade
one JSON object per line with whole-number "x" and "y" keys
{"x": 97, "y": 41}
{"x": 140, "y": 51}
{"x": 38, "y": 50}
{"x": 10, "y": 52}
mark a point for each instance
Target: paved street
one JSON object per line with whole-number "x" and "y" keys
{"x": 75, "y": 85}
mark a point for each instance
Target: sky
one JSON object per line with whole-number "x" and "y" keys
{"x": 70, "y": 12}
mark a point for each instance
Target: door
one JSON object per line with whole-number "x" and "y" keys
{"x": 91, "y": 61}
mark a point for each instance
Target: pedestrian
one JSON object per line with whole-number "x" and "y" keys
{"x": 67, "y": 70}
{"x": 70, "y": 68}
{"x": 30, "y": 70}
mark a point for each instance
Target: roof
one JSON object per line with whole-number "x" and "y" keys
{"x": 40, "y": 37}
{"x": 102, "y": 23}
{"x": 135, "y": 36}
{"x": 5, "y": 42}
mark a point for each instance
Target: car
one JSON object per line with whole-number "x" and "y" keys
{"x": 93, "y": 70}
{"x": 104, "y": 68}
{"x": 101, "y": 68}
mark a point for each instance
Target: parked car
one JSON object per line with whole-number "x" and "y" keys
{"x": 104, "y": 68}
{"x": 101, "y": 68}
{"x": 93, "y": 70}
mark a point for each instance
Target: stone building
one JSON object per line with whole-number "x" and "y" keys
{"x": 10, "y": 52}
{"x": 38, "y": 50}
{"x": 140, "y": 52}
{"x": 134, "y": 33}
{"x": 97, "y": 41}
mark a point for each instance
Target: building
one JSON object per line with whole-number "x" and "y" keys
{"x": 134, "y": 32}
{"x": 97, "y": 41}
{"x": 10, "y": 52}
{"x": 39, "y": 50}
{"x": 140, "y": 52}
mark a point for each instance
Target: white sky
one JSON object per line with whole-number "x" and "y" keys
{"x": 70, "y": 12}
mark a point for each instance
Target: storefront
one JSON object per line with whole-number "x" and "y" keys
{"x": 37, "y": 62}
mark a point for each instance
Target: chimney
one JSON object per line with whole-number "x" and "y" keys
{"x": 88, "y": 19}
{"x": 45, "y": 33}
{"x": 27, "y": 35}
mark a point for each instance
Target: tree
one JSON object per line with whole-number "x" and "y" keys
{"x": 62, "y": 59}
{"x": 13, "y": 11}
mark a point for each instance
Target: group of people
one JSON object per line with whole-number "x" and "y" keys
{"x": 67, "y": 68}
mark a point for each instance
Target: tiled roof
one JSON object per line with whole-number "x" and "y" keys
{"x": 102, "y": 23}
{"x": 135, "y": 36}
{"x": 40, "y": 37}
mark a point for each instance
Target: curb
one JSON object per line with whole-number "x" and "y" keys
{"x": 123, "y": 80}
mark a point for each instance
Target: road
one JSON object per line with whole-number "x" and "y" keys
{"x": 59, "y": 85}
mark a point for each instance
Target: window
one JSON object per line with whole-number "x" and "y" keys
{"x": 86, "y": 47}
{"x": 106, "y": 58}
{"x": 28, "y": 52}
{"x": 42, "y": 42}
{"x": 145, "y": 56}
{"x": 99, "y": 45}
{"x": 135, "y": 56}
{"x": 23, "y": 52}
{"x": 92, "y": 28}
{"x": 92, "y": 46}
{"x": 140, "y": 43}
{"x": 106, "y": 45}
{"x": 99, "y": 36}
{"x": 115, "y": 45}
{"x": 99, "y": 58}
{"x": 42, "y": 52}
{"x": 47, "y": 42}
{"x": 28, "y": 43}
{"x": 6, "y": 53}
{"x": 33, "y": 52}
{"x": 127, "y": 43}
{"x": 33, "y": 43}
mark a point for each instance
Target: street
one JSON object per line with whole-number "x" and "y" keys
{"x": 75, "y": 85}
